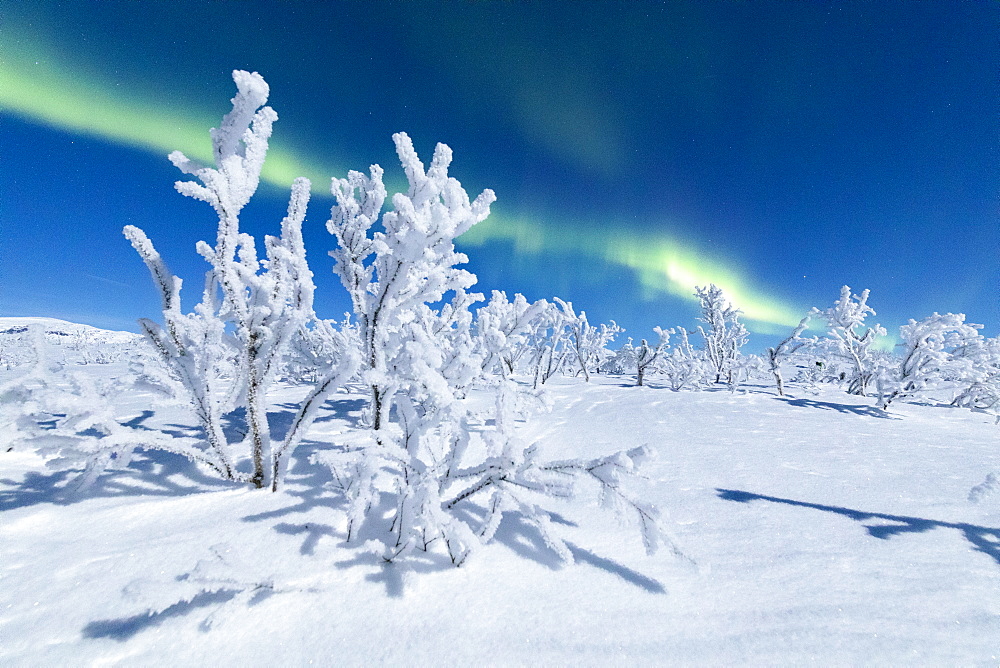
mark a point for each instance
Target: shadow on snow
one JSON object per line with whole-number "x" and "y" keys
{"x": 853, "y": 409}
{"x": 155, "y": 472}
{"x": 150, "y": 473}
{"x": 983, "y": 539}
{"x": 126, "y": 627}
{"x": 309, "y": 485}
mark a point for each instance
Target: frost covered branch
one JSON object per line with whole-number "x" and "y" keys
{"x": 725, "y": 335}
{"x": 845, "y": 320}
{"x": 792, "y": 344}
{"x": 238, "y": 335}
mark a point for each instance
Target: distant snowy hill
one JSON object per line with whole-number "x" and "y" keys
{"x": 67, "y": 342}
{"x": 55, "y": 327}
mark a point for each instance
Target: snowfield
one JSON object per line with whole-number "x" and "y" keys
{"x": 814, "y": 527}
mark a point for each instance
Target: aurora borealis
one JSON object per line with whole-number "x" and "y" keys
{"x": 779, "y": 150}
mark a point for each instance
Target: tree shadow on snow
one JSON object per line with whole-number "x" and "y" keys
{"x": 394, "y": 575}
{"x": 983, "y": 539}
{"x": 217, "y": 583}
{"x": 853, "y": 409}
{"x": 150, "y": 473}
{"x": 160, "y": 473}
{"x": 525, "y": 540}
{"x": 372, "y": 541}
{"x": 306, "y": 482}
{"x": 631, "y": 576}
{"x": 334, "y": 409}
{"x": 313, "y": 532}
{"x": 124, "y": 628}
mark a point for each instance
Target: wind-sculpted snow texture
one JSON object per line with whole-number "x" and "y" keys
{"x": 822, "y": 530}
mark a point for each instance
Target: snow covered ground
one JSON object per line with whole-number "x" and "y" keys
{"x": 819, "y": 529}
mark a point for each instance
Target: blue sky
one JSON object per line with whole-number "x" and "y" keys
{"x": 780, "y": 150}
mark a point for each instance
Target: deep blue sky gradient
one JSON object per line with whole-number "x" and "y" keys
{"x": 790, "y": 147}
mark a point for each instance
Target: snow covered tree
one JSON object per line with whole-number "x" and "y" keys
{"x": 623, "y": 361}
{"x": 934, "y": 349}
{"x": 788, "y": 347}
{"x": 683, "y": 366}
{"x": 748, "y": 368}
{"x": 501, "y": 327}
{"x": 549, "y": 343}
{"x": 318, "y": 347}
{"x": 413, "y": 266}
{"x": 587, "y": 342}
{"x": 646, "y": 355}
{"x": 845, "y": 322}
{"x": 725, "y": 335}
{"x": 419, "y": 360}
{"x": 980, "y": 379}
{"x": 250, "y": 307}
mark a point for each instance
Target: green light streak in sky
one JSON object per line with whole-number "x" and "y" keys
{"x": 36, "y": 86}
{"x": 662, "y": 264}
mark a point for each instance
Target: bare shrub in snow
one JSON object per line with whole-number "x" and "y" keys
{"x": 588, "y": 343}
{"x": 683, "y": 366}
{"x": 792, "y": 344}
{"x": 647, "y": 355}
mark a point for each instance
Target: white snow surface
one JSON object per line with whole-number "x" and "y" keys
{"x": 819, "y": 528}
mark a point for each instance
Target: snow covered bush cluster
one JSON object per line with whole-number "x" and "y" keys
{"x": 436, "y": 460}
{"x": 939, "y": 357}
{"x": 414, "y": 342}
{"x": 76, "y": 344}
{"x": 422, "y": 355}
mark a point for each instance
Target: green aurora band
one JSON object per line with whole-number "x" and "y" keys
{"x": 42, "y": 89}
{"x": 663, "y": 265}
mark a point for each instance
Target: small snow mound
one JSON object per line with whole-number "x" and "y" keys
{"x": 985, "y": 489}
